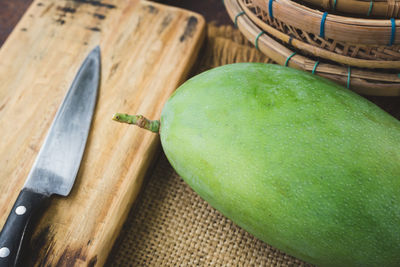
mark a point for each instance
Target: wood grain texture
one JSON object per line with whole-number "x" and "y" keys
{"x": 147, "y": 50}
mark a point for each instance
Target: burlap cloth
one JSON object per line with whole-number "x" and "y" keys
{"x": 170, "y": 225}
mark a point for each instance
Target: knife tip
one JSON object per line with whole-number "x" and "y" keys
{"x": 96, "y": 49}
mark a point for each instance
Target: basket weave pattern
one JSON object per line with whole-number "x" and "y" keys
{"x": 359, "y": 51}
{"x": 340, "y": 28}
{"x": 286, "y": 49}
{"x": 368, "y": 8}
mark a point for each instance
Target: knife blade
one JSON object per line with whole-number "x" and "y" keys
{"x": 58, "y": 161}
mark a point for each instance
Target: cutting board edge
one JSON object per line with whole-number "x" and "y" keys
{"x": 193, "y": 13}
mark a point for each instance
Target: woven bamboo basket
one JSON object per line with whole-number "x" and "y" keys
{"x": 363, "y": 81}
{"x": 365, "y": 8}
{"x": 339, "y": 28}
{"x": 357, "y": 55}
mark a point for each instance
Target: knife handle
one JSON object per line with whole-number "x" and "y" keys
{"x": 14, "y": 230}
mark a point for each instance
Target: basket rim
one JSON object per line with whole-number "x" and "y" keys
{"x": 362, "y": 81}
{"x": 318, "y": 51}
{"x": 335, "y": 27}
{"x": 376, "y": 8}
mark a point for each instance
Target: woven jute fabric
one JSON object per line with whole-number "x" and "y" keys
{"x": 170, "y": 225}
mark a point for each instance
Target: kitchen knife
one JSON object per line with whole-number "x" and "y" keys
{"x": 58, "y": 161}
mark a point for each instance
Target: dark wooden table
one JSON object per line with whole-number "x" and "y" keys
{"x": 213, "y": 11}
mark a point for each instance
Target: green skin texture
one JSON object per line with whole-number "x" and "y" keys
{"x": 298, "y": 161}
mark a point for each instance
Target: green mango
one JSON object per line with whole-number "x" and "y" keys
{"x": 299, "y": 162}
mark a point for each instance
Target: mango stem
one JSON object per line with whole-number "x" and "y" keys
{"x": 138, "y": 120}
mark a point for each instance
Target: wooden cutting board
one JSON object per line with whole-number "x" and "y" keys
{"x": 147, "y": 50}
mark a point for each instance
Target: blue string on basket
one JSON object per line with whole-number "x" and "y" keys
{"x": 270, "y": 12}
{"x": 315, "y": 67}
{"x": 288, "y": 58}
{"x": 334, "y": 5}
{"x": 393, "y": 35}
{"x": 322, "y": 28}
{"x": 236, "y": 17}
{"x": 371, "y": 5}
{"x": 258, "y": 37}
{"x": 348, "y": 77}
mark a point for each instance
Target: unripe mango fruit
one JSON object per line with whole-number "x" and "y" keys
{"x": 300, "y": 162}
